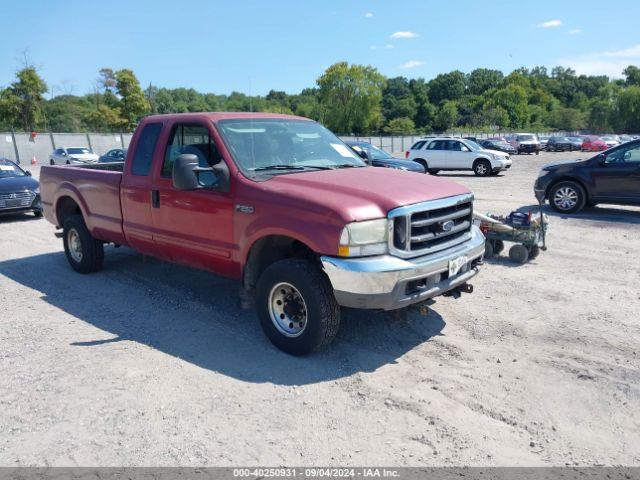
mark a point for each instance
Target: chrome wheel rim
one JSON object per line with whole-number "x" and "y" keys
{"x": 75, "y": 246}
{"x": 287, "y": 309}
{"x": 481, "y": 168}
{"x": 566, "y": 198}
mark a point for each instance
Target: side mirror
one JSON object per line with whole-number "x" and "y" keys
{"x": 189, "y": 175}
{"x": 64, "y": 154}
{"x": 363, "y": 155}
{"x": 27, "y": 173}
{"x": 602, "y": 159}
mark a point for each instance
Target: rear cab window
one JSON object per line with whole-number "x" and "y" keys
{"x": 146, "y": 145}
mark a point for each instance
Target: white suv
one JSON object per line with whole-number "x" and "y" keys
{"x": 443, "y": 153}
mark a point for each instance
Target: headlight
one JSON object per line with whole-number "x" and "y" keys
{"x": 364, "y": 238}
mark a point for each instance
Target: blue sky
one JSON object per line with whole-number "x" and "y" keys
{"x": 254, "y": 46}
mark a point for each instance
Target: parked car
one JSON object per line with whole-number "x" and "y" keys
{"x": 612, "y": 176}
{"x": 610, "y": 140}
{"x": 19, "y": 191}
{"x": 559, "y": 144}
{"x": 377, "y": 157}
{"x": 593, "y": 144}
{"x": 114, "y": 155}
{"x": 72, "y": 155}
{"x": 497, "y": 144}
{"x": 525, "y": 143}
{"x": 544, "y": 140}
{"x": 457, "y": 154}
{"x": 280, "y": 204}
{"x": 625, "y": 138}
{"x": 576, "y": 142}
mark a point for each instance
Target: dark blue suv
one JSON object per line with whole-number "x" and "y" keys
{"x": 612, "y": 176}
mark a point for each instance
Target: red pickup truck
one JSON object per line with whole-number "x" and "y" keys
{"x": 279, "y": 203}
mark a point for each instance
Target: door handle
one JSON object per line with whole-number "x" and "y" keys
{"x": 155, "y": 198}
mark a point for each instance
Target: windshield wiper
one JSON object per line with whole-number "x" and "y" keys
{"x": 277, "y": 167}
{"x": 346, "y": 165}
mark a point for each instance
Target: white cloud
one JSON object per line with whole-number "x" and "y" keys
{"x": 379, "y": 47}
{"x": 412, "y": 64}
{"x": 610, "y": 63}
{"x": 550, "y": 24}
{"x": 397, "y": 35}
{"x": 368, "y": 15}
{"x": 574, "y": 31}
{"x": 631, "y": 52}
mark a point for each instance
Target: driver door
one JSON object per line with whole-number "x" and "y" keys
{"x": 618, "y": 177}
{"x": 192, "y": 227}
{"x": 459, "y": 155}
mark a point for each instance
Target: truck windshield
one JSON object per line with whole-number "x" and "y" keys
{"x": 275, "y": 146}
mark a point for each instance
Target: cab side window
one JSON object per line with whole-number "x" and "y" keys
{"x": 630, "y": 154}
{"x": 437, "y": 145}
{"x": 189, "y": 139}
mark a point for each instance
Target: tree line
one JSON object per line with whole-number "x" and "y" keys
{"x": 351, "y": 99}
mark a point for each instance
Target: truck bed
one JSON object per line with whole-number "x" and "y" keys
{"x": 94, "y": 188}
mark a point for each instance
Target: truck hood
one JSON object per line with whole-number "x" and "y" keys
{"x": 357, "y": 194}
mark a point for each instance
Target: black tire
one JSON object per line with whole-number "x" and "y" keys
{"x": 91, "y": 250}
{"x": 567, "y": 197}
{"x": 488, "y": 249}
{"x": 51, "y": 162}
{"x": 498, "y": 247}
{"x": 534, "y": 251}
{"x": 424, "y": 164}
{"x": 519, "y": 253}
{"x": 322, "y": 319}
{"x": 433, "y": 171}
{"x": 482, "y": 168}
{"x": 37, "y": 213}
{"x": 537, "y": 152}
{"x": 68, "y": 162}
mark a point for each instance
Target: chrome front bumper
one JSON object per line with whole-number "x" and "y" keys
{"x": 388, "y": 283}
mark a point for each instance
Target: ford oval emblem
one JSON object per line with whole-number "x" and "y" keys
{"x": 447, "y": 226}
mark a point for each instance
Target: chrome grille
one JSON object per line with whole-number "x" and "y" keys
{"x": 16, "y": 199}
{"x": 429, "y": 227}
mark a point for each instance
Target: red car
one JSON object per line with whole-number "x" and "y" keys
{"x": 594, "y": 144}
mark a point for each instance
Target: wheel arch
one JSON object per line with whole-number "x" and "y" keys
{"x": 269, "y": 249}
{"x": 65, "y": 207}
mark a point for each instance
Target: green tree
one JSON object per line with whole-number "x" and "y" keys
{"x": 400, "y": 126}
{"x": 133, "y": 103}
{"x": 447, "y": 116}
{"x": 447, "y": 86}
{"x": 628, "y": 110}
{"x": 21, "y": 104}
{"x": 482, "y": 79}
{"x": 398, "y": 99}
{"x": 349, "y": 97}
{"x": 633, "y": 75}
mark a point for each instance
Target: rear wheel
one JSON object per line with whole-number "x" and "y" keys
{"x": 84, "y": 253}
{"x": 296, "y": 306}
{"x": 488, "y": 249}
{"x": 498, "y": 247}
{"x": 482, "y": 168}
{"x": 534, "y": 251}
{"x": 567, "y": 197}
{"x": 51, "y": 162}
{"x": 519, "y": 253}
{"x": 424, "y": 164}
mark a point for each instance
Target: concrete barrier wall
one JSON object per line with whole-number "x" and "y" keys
{"x": 22, "y": 148}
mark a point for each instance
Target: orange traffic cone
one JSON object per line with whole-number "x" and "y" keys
{"x": 34, "y": 160}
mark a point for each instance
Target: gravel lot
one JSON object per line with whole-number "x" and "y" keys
{"x": 147, "y": 363}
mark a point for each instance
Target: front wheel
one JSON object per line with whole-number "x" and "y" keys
{"x": 519, "y": 253}
{"x": 482, "y": 168}
{"x": 296, "y": 306}
{"x": 84, "y": 253}
{"x": 567, "y": 197}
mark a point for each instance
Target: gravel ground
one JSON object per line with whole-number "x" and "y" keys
{"x": 148, "y": 363}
